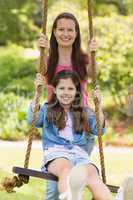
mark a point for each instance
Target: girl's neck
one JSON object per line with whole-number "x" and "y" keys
{"x": 65, "y": 56}
{"x": 66, "y": 108}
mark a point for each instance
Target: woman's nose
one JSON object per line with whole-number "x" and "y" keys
{"x": 65, "y": 32}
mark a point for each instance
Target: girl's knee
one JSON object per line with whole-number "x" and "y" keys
{"x": 92, "y": 170}
{"x": 60, "y": 166}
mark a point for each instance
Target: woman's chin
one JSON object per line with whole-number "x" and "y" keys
{"x": 65, "y": 45}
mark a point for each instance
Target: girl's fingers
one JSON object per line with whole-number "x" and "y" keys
{"x": 97, "y": 94}
{"x": 97, "y": 87}
{"x": 40, "y": 80}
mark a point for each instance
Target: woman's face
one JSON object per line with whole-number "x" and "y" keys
{"x": 65, "y": 32}
{"x": 65, "y": 92}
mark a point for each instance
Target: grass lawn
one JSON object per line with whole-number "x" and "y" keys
{"x": 119, "y": 164}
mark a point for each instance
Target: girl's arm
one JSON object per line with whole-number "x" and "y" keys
{"x": 40, "y": 117}
{"x": 39, "y": 81}
{"x": 97, "y": 97}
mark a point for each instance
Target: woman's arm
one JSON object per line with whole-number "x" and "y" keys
{"x": 43, "y": 42}
{"x": 92, "y": 47}
{"x": 90, "y": 70}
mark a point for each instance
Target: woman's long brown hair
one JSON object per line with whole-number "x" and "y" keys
{"x": 79, "y": 59}
{"x": 56, "y": 113}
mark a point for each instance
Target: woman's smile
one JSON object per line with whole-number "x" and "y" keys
{"x": 65, "y": 32}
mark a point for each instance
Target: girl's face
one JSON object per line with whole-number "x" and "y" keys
{"x": 65, "y": 32}
{"x": 65, "y": 92}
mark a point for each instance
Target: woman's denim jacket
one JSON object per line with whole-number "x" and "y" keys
{"x": 50, "y": 133}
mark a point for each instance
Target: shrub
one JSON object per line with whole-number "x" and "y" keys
{"x": 16, "y": 23}
{"x": 16, "y": 71}
{"x": 115, "y": 41}
{"x": 13, "y": 125}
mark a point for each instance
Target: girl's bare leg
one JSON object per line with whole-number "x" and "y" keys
{"x": 96, "y": 186}
{"x": 61, "y": 168}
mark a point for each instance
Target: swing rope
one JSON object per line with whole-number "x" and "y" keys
{"x": 94, "y": 80}
{"x": 42, "y": 69}
{"x": 17, "y": 181}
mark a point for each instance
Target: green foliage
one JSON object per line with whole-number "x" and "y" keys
{"x": 114, "y": 36}
{"x": 17, "y": 66}
{"x": 13, "y": 115}
{"x": 106, "y": 7}
{"x": 13, "y": 125}
{"x": 129, "y": 6}
{"x": 18, "y": 19}
{"x": 16, "y": 70}
{"x": 102, "y": 7}
{"x": 16, "y": 24}
{"x": 115, "y": 47}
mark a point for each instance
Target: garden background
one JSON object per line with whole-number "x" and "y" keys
{"x": 20, "y": 25}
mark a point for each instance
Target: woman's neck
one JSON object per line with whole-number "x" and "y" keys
{"x": 65, "y": 56}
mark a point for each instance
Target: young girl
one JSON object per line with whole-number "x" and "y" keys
{"x": 65, "y": 54}
{"x": 66, "y": 126}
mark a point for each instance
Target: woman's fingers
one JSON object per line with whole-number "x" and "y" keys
{"x": 93, "y": 45}
{"x": 43, "y": 41}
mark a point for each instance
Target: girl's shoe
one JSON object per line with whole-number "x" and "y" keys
{"x": 125, "y": 192}
{"x": 76, "y": 182}
{"x": 63, "y": 196}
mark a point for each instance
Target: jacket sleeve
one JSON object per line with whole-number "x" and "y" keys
{"x": 40, "y": 118}
{"x": 92, "y": 123}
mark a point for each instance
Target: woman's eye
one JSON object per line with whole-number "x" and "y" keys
{"x": 70, "y": 30}
{"x": 60, "y": 29}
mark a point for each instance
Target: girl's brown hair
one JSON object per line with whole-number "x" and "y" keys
{"x": 56, "y": 113}
{"x": 79, "y": 59}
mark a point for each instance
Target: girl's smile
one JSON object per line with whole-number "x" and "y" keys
{"x": 65, "y": 91}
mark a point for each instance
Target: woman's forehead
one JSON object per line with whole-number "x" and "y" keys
{"x": 65, "y": 22}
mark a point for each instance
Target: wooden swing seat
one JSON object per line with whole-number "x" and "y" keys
{"x": 34, "y": 173}
{"x": 48, "y": 176}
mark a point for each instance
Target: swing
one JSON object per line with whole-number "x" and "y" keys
{"x": 25, "y": 173}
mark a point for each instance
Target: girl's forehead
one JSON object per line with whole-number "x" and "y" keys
{"x": 65, "y": 22}
{"x": 66, "y": 82}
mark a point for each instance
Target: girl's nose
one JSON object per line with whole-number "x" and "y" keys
{"x": 66, "y": 92}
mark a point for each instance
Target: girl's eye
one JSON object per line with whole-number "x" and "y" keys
{"x": 71, "y": 88}
{"x": 61, "y": 88}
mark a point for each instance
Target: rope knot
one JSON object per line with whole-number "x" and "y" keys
{"x": 9, "y": 184}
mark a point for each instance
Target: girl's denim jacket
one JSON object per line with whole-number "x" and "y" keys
{"x": 50, "y": 133}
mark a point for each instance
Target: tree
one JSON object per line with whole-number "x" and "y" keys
{"x": 15, "y": 22}
{"x": 115, "y": 55}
